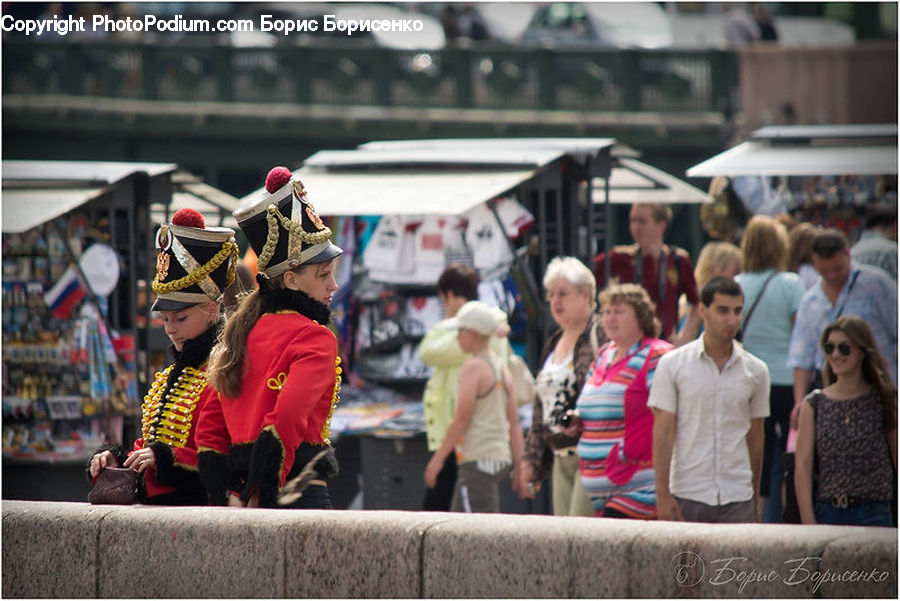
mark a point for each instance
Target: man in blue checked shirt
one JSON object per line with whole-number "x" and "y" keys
{"x": 844, "y": 288}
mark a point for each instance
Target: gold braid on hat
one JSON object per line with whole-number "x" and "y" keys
{"x": 273, "y": 217}
{"x": 230, "y": 248}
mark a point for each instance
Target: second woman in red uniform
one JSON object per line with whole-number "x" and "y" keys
{"x": 194, "y": 266}
{"x": 276, "y": 368}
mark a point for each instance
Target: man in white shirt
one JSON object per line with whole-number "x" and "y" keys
{"x": 710, "y": 398}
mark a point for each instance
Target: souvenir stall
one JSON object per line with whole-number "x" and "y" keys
{"x": 403, "y": 210}
{"x": 828, "y": 175}
{"x": 77, "y": 247}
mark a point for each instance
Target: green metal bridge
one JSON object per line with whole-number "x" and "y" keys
{"x": 481, "y": 77}
{"x": 222, "y": 109}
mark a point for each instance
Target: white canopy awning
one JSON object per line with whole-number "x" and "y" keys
{"x": 808, "y": 150}
{"x": 760, "y": 158}
{"x": 449, "y": 177}
{"x": 26, "y": 208}
{"x": 483, "y": 153}
{"x": 393, "y": 192}
{"x": 634, "y": 181}
{"x": 105, "y": 172}
{"x": 34, "y": 192}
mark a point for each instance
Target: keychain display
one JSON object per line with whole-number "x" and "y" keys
{"x": 66, "y": 375}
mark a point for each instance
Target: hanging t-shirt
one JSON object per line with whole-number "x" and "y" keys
{"x": 455, "y": 247}
{"x": 389, "y": 255}
{"x": 490, "y": 249}
{"x": 421, "y": 314}
{"x": 430, "y": 249}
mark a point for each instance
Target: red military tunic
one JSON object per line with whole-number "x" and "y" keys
{"x": 169, "y": 416}
{"x": 289, "y": 391}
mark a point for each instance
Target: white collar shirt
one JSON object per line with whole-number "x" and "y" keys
{"x": 713, "y": 411}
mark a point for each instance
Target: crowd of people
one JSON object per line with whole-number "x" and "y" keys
{"x": 690, "y": 392}
{"x": 708, "y": 394}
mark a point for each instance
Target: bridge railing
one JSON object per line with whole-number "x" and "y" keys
{"x": 65, "y": 550}
{"x": 485, "y": 77}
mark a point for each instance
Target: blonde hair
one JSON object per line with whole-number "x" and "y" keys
{"x": 637, "y": 297}
{"x": 573, "y": 271}
{"x": 713, "y": 259}
{"x": 765, "y": 244}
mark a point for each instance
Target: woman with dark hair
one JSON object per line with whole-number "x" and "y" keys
{"x": 771, "y": 299}
{"x": 193, "y": 267}
{"x": 847, "y": 439}
{"x": 276, "y": 368}
{"x": 615, "y": 450}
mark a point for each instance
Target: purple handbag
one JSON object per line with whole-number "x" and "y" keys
{"x": 115, "y": 486}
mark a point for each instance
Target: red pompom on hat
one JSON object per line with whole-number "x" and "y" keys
{"x": 277, "y": 178}
{"x": 189, "y": 218}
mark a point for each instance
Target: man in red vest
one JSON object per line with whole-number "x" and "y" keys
{"x": 664, "y": 271}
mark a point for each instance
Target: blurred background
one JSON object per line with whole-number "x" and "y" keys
{"x": 669, "y": 78}
{"x": 107, "y": 133}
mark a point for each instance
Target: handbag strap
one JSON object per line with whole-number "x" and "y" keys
{"x": 756, "y": 301}
{"x": 849, "y": 290}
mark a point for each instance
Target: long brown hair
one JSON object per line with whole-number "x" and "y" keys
{"x": 226, "y": 360}
{"x": 800, "y": 245}
{"x": 873, "y": 367}
{"x": 764, "y": 245}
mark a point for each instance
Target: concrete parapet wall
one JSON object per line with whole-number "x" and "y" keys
{"x": 80, "y": 550}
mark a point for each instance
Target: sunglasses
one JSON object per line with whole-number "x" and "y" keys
{"x": 843, "y": 348}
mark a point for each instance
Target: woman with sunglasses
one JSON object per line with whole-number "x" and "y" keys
{"x": 847, "y": 439}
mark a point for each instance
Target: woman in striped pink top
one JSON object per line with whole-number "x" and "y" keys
{"x": 615, "y": 450}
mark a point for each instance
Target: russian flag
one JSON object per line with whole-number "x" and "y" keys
{"x": 65, "y": 294}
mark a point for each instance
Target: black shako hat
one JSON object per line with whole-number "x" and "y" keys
{"x": 195, "y": 263}
{"x": 283, "y": 227}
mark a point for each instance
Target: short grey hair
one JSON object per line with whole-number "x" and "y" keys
{"x": 573, "y": 271}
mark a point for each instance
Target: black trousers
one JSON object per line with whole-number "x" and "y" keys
{"x": 314, "y": 497}
{"x": 439, "y": 497}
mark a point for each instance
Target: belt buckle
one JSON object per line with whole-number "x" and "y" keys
{"x": 840, "y": 501}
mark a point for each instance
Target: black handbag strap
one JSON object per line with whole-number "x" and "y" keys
{"x": 753, "y": 306}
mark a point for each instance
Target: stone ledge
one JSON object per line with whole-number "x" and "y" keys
{"x": 80, "y": 550}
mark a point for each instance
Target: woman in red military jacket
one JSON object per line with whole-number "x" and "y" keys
{"x": 277, "y": 368}
{"x": 193, "y": 267}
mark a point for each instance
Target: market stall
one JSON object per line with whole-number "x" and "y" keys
{"x": 77, "y": 338}
{"x": 828, "y": 175}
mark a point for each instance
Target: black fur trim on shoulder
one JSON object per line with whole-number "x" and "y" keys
{"x": 264, "y": 475}
{"x": 280, "y": 299}
{"x": 215, "y": 475}
{"x": 195, "y": 352}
